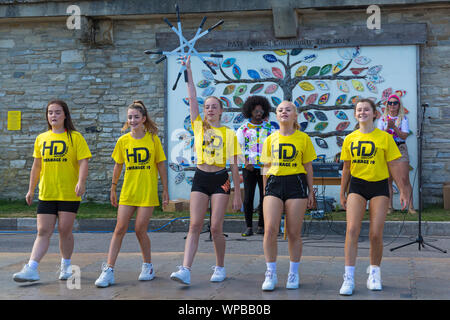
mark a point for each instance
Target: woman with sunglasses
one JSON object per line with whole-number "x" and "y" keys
{"x": 394, "y": 122}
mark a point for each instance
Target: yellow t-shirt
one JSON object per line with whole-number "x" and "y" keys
{"x": 59, "y": 170}
{"x": 369, "y": 154}
{"x": 216, "y": 146}
{"x": 287, "y": 154}
{"x": 140, "y": 185}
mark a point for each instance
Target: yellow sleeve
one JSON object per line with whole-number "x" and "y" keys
{"x": 345, "y": 155}
{"x": 37, "y": 151}
{"x": 310, "y": 153}
{"x": 83, "y": 151}
{"x": 197, "y": 124}
{"x": 159, "y": 152}
{"x": 234, "y": 149}
{"x": 117, "y": 154}
{"x": 266, "y": 154}
{"x": 392, "y": 151}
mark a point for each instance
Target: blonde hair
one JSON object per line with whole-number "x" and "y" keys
{"x": 149, "y": 124}
{"x": 296, "y": 124}
{"x": 401, "y": 111}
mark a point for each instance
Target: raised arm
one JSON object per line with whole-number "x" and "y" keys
{"x": 192, "y": 94}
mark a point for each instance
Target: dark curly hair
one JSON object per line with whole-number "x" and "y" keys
{"x": 252, "y": 102}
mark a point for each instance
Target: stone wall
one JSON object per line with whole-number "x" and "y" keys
{"x": 44, "y": 60}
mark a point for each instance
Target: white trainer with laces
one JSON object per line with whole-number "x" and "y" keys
{"x": 147, "y": 272}
{"x": 27, "y": 274}
{"x": 219, "y": 274}
{"x": 66, "y": 271}
{"x": 292, "y": 281}
{"x": 106, "y": 277}
{"x": 374, "y": 279}
{"x": 270, "y": 281}
{"x": 348, "y": 286}
{"x": 183, "y": 275}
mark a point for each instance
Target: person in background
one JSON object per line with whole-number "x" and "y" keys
{"x": 251, "y": 136}
{"x": 395, "y": 122}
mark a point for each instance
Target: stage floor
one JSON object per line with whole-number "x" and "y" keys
{"x": 407, "y": 273}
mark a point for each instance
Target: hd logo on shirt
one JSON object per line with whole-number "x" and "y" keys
{"x": 56, "y": 150}
{"x": 211, "y": 144}
{"x": 364, "y": 150}
{"x": 285, "y": 154}
{"x": 139, "y": 155}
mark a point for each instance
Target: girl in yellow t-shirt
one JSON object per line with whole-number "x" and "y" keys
{"x": 288, "y": 182}
{"x": 142, "y": 154}
{"x": 368, "y": 155}
{"x": 60, "y": 166}
{"x": 215, "y": 145}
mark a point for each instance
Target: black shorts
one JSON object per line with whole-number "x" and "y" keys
{"x": 53, "y": 207}
{"x": 292, "y": 186}
{"x": 211, "y": 182}
{"x": 369, "y": 189}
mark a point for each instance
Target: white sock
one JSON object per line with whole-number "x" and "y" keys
{"x": 350, "y": 271}
{"x": 220, "y": 268}
{"x": 271, "y": 266}
{"x": 33, "y": 264}
{"x": 293, "y": 267}
{"x": 66, "y": 262}
{"x": 373, "y": 267}
{"x": 149, "y": 264}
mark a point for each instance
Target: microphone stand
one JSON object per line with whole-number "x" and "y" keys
{"x": 419, "y": 238}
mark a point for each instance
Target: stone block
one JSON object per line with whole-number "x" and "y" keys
{"x": 69, "y": 56}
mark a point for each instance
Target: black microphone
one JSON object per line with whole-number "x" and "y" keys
{"x": 425, "y": 105}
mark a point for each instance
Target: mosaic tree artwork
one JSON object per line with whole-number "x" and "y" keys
{"x": 323, "y": 84}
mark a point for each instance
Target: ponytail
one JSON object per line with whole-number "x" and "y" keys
{"x": 149, "y": 124}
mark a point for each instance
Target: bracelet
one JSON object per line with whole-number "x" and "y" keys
{"x": 114, "y": 183}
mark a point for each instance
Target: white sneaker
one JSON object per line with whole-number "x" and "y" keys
{"x": 147, "y": 272}
{"x": 270, "y": 281}
{"x": 26, "y": 274}
{"x": 348, "y": 286}
{"x": 183, "y": 275}
{"x": 66, "y": 272}
{"x": 106, "y": 277}
{"x": 374, "y": 279}
{"x": 219, "y": 274}
{"x": 292, "y": 281}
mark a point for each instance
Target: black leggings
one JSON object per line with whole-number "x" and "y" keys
{"x": 251, "y": 178}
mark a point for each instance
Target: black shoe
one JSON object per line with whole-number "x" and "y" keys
{"x": 248, "y": 232}
{"x": 260, "y": 230}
